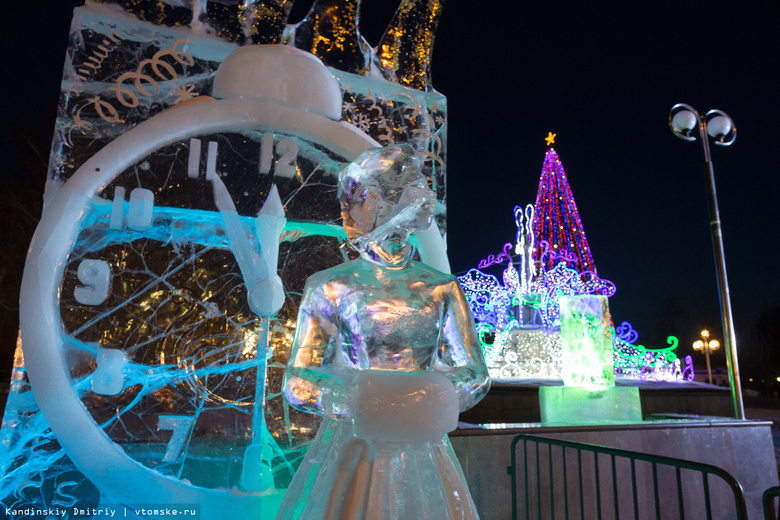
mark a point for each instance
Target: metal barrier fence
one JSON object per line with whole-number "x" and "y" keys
{"x": 563, "y": 479}
{"x": 770, "y": 511}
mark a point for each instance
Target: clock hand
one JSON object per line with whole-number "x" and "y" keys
{"x": 266, "y": 294}
{"x": 249, "y": 261}
{"x": 257, "y": 473}
{"x": 269, "y": 225}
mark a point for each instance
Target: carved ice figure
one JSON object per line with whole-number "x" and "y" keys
{"x": 386, "y": 351}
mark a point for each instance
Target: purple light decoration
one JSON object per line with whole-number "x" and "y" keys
{"x": 626, "y": 332}
{"x": 506, "y": 255}
{"x": 549, "y": 255}
{"x": 488, "y": 300}
{"x": 688, "y": 372}
{"x": 492, "y": 302}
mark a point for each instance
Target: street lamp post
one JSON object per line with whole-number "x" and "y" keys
{"x": 719, "y": 126}
{"x": 707, "y": 345}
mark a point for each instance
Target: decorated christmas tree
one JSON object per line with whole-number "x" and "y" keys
{"x": 557, "y": 220}
{"x": 551, "y": 259}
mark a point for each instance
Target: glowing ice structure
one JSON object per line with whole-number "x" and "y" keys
{"x": 586, "y": 341}
{"x": 160, "y": 361}
{"x": 588, "y": 393}
{"x": 265, "y": 297}
{"x": 386, "y": 351}
{"x": 518, "y": 321}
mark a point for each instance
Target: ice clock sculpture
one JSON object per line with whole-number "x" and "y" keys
{"x": 143, "y": 361}
{"x": 386, "y": 351}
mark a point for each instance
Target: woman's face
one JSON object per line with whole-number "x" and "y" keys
{"x": 380, "y": 198}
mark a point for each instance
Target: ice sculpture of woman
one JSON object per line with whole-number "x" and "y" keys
{"x": 386, "y": 351}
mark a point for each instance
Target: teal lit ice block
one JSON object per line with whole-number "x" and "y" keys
{"x": 577, "y": 405}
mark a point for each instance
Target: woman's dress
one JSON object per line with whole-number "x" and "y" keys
{"x": 389, "y": 357}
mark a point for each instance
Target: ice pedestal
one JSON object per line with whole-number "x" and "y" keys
{"x": 577, "y": 405}
{"x": 589, "y": 393}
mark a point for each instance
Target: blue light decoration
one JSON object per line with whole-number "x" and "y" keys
{"x": 522, "y": 344}
{"x": 518, "y": 321}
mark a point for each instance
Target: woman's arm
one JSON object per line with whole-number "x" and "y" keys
{"x": 315, "y": 381}
{"x": 460, "y": 356}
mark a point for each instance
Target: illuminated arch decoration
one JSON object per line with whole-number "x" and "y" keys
{"x": 516, "y": 347}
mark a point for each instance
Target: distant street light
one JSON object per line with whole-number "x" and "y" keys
{"x": 707, "y": 345}
{"x": 719, "y": 126}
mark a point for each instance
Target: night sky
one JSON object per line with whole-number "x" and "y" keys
{"x": 602, "y": 76}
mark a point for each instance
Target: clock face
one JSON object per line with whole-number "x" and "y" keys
{"x": 146, "y": 326}
{"x": 153, "y": 287}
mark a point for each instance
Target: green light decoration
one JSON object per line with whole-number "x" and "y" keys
{"x": 638, "y": 362}
{"x": 586, "y": 342}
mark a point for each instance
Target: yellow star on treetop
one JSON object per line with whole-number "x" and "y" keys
{"x": 550, "y": 138}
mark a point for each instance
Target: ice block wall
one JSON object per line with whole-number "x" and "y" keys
{"x": 173, "y": 324}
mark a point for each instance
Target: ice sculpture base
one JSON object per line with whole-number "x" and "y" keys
{"x": 577, "y": 405}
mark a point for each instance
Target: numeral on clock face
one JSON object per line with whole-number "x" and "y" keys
{"x": 284, "y": 166}
{"x": 96, "y": 277}
{"x": 181, "y": 426}
{"x": 139, "y": 212}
